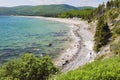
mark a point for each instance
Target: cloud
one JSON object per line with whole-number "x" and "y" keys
{"x": 94, "y": 3}
{"x": 46, "y": 2}
{"x": 88, "y": 3}
{"x": 71, "y": 2}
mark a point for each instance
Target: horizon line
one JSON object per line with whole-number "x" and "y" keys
{"x": 48, "y": 5}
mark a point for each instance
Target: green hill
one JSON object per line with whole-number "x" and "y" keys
{"x": 82, "y": 13}
{"x": 40, "y": 10}
{"x": 86, "y": 7}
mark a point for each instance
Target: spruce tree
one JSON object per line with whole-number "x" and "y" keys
{"x": 108, "y": 5}
{"x": 102, "y": 34}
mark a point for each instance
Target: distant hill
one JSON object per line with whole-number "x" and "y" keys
{"x": 86, "y": 7}
{"x": 40, "y": 10}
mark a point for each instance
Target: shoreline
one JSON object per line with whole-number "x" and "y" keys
{"x": 81, "y": 50}
{"x": 73, "y": 49}
{"x": 71, "y": 53}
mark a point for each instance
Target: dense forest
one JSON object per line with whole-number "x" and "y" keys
{"x": 84, "y": 13}
{"x": 90, "y": 13}
{"x": 40, "y": 10}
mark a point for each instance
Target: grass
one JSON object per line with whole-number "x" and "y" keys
{"x": 108, "y": 69}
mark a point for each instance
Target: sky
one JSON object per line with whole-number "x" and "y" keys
{"x": 9, "y": 3}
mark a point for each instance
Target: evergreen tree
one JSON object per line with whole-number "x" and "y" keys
{"x": 102, "y": 34}
{"x": 111, "y": 4}
{"x": 100, "y": 10}
{"x": 108, "y": 5}
{"x": 117, "y": 3}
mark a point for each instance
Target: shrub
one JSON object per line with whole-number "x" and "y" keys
{"x": 27, "y": 67}
{"x": 108, "y": 69}
{"x": 115, "y": 48}
{"x": 116, "y": 30}
{"x": 113, "y": 14}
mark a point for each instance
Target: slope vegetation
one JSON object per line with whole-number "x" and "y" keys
{"x": 107, "y": 46}
{"x": 108, "y": 69}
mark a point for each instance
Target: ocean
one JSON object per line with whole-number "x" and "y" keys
{"x": 19, "y": 35}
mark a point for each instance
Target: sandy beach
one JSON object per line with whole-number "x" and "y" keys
{"x": 81, "y": 50}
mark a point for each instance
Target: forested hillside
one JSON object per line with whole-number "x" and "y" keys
{"x": 107, "y": 16}
{"x": 84, "y": 13}
{"x": 41, "y": 10}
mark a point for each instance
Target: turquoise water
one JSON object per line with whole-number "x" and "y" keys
{"x": 20, "y": 35}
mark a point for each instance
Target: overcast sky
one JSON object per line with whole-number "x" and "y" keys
{"x": 47, "y": 2}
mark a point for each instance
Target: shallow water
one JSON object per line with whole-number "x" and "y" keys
{"x": 20, "y": 35}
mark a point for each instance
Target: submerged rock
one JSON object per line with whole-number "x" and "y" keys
{"x": 50, "y": 45}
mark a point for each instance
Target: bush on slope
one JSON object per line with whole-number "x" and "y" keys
{"x": 108, "y": 69}
{"x": 27, "y": 67}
